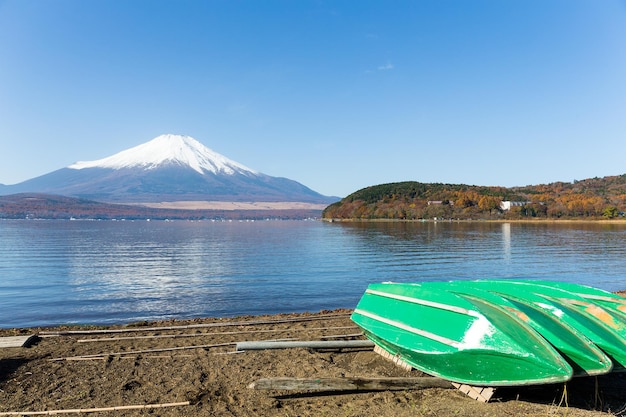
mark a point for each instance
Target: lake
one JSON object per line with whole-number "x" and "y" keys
{"x": 104, "y": 272}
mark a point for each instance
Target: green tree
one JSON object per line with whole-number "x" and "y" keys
{"x": 610, "y": 212}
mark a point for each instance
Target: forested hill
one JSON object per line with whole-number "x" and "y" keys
{"x": 595, "y": 198}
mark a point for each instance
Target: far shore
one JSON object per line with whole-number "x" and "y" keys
{"x": 595, "y": 221}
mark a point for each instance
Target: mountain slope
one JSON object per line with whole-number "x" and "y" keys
{"x": 179, "y": 150}
{"x": 167, "y": 168}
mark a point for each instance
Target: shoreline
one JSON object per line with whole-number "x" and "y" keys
{"x": 15, "y": 331}
{"x": 589, "y": 221}
{"x": 179, "y": 361}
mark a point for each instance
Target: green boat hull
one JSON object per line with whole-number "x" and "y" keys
{"x": 462, "y": 338}
{"x": 612, "y": 302}
{"x": 601, "y": 326}
{"x": 584, "y": 356}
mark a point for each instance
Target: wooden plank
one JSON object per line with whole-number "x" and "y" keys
{"x": 349, "y": 384}
{"x": 312, "y": 344}
{"x": 195, "y": 326}
{"x": 482, "y": 394}
{"x": 17, "y": 341}
{"x": 140, "y": 352}
{"x": 93, "y": 410}
{"x": 393, "y": 358}
{"x": 212, "y": 334}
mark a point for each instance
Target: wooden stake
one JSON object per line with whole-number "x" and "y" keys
{"x": 92, "y": 410}
{"x": 349, "y": 384}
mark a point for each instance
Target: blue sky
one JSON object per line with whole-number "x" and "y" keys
{"x": 337, "y": 95}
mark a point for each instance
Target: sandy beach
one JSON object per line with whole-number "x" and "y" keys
{"x": 192, "y": 368}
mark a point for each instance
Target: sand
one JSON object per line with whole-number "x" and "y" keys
{"x": 135, "y": 368}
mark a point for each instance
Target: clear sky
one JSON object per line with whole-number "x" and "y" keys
{"x": 338, "y": 95}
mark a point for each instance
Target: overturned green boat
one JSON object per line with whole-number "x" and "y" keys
{"x": 608, "y": 301}
{"x": 491, "y": 333}
{"x": 603, "y": 326}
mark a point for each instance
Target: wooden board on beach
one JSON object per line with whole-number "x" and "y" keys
{"x": 16, "y": 341}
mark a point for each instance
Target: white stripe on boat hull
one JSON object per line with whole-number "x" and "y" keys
{"x": 427, "y": 303}
{"x": 410, "y": 329}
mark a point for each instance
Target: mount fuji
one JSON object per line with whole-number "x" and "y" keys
{"x": 167, "y": 168}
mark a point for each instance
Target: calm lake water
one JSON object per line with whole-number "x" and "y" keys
{"x": 55, "y": 272}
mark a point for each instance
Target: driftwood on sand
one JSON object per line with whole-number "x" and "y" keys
{"x": 93, "y": 410}
{"x": 349, "y": 384}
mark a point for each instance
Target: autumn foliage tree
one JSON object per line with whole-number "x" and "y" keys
{"x": 597, "y": 198}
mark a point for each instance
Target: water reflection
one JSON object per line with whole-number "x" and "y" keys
{"x": 577, "y": 252}
{"x": 169, "y": 271}
{"x": 506, "y": 240}
{"x": 99, "y": 272}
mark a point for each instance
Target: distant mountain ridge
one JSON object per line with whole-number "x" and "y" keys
{"x": 167, "y": 168}
{"x": 47, "y": 206}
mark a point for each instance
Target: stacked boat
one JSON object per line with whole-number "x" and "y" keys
{"x": 497, "y": 332}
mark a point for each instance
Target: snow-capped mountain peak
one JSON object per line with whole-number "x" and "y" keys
{"x": 168, "y": 168}
{"x": 169, "y": 149}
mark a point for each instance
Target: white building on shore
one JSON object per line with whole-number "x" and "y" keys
{"x": 506, "y": 205}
